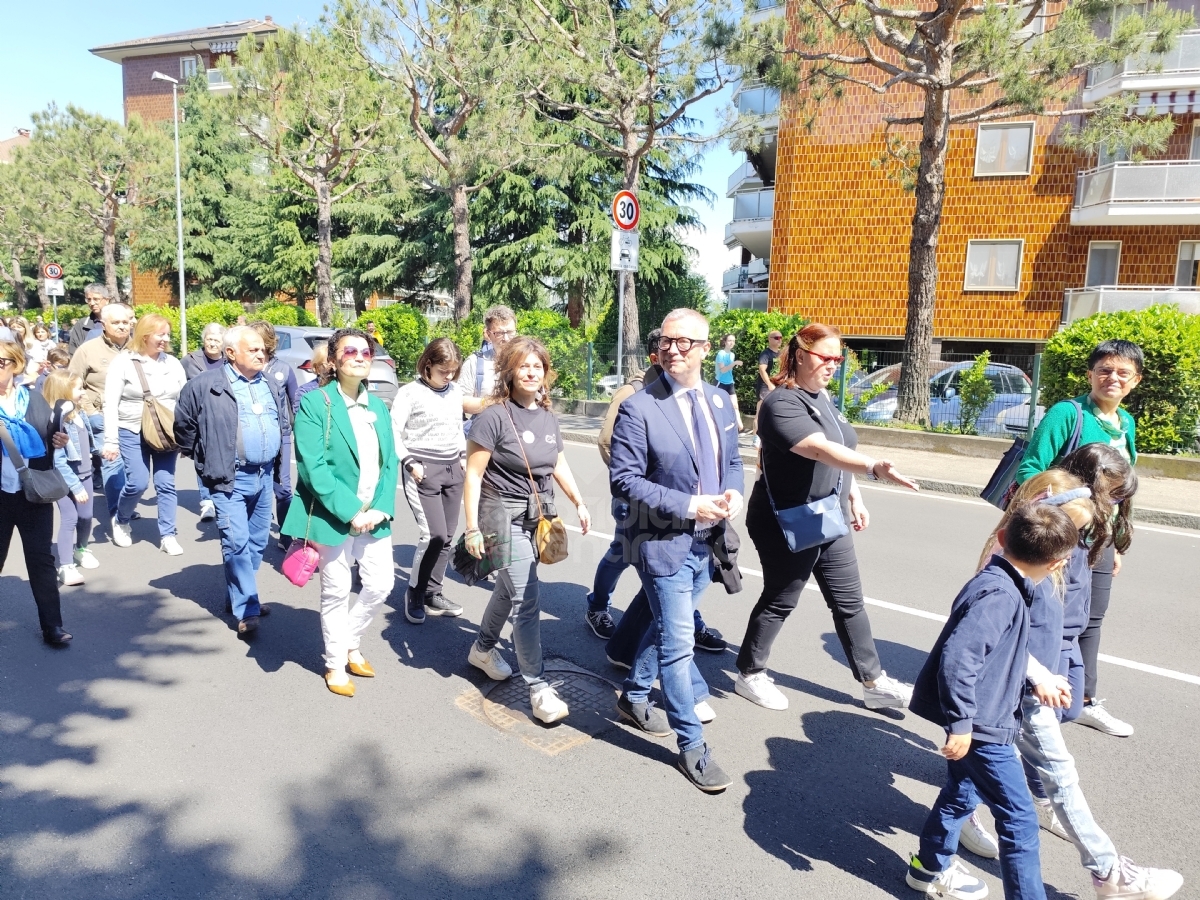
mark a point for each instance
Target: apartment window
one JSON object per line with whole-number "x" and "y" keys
{"x": 1187, "y": 270}
{"x": 1004, "y": 149}
{"x": 993, "y": 265}
{"x": 1106, "y": 157}
{"x": 188, "y": 66}
{"x": 1103, "y": 263}
{"x": 1194, "y": 153}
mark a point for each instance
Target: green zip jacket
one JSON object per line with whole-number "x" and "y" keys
{"x": 1055, "y": 430}
{"x": 328, "y": 476}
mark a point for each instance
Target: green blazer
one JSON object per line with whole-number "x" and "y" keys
{"x": 328, "y": 475}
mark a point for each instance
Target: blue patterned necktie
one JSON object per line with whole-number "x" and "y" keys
{"x": 706, "y": 455}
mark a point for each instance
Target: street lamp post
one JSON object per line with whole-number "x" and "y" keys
{"x": 159, "y": 76}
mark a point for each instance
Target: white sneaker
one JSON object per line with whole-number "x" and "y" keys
{"x": 760, "y": 688}
{"x": 208, "y": 510}
{"x": 1048, "y": 819}
{"x": 85, "y": 558}
{"x": 547, "y": 705}
{"x": 122, "y": 535}
{"x": 704, "y": 712}
{"x": 953, "y": 881}
{"x": 170, "y": 546}
{"x": 69, "y": 576}
{"x": 888, "y": 692}
{"x": 1094, "y": 715}
{"x": 1137, "y": 883}
{"x": 491, "y": 662}
{"x": 976, "y": 838}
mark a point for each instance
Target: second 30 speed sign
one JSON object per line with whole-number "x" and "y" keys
{"x": 626, "y": 211}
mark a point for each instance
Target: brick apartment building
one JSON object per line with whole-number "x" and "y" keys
{"x": 181, "y": 55}
{"x": 1033, "y": 235}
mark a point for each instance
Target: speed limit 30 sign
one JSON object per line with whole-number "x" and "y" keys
{"x": 52, "y": 270}
{"x": 626, "y": 211}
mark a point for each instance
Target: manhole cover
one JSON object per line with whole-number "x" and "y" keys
{"x": 505, "y": 705}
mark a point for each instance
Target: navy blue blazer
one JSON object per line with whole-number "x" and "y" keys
{"x": 654, "y": 468}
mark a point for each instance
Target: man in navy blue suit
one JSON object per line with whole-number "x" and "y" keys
{"x": 675, "y": 460}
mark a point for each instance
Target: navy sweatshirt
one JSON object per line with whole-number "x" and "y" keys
{"x": 1077, "y": 603}
{"x": 974, "y": 677}
{"x": 1046, "y": 625}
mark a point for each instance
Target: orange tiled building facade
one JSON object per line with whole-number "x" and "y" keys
{"x": 1032, "y": 234}
{"x": 180, "y": 55}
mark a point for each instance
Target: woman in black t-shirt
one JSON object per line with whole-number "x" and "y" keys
{"x": 514, "y": 441}
{"x": 808, "y": 452}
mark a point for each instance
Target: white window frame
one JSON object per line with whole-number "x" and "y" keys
{"x": 1031, "y": 123}
{"x": 1194, "y": 147}
{"x": 1179, "y": 259}
{"x": 1117, "y": 273}
{"x": 1020, "y": 242}
{"x": 184, "y": 75}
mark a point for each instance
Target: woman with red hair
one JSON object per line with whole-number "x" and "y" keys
{"x": 808, "y": 454}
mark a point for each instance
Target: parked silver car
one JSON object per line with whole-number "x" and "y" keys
{"x": 296, "y": 348}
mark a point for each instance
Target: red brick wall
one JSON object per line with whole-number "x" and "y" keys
{"x": 152, "y": 99}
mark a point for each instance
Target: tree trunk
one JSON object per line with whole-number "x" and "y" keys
{"x": 43, "y": 297}
{"x": 324, "y": 254}
{"x": 110, "y": 254}
{"x": 464, "y": 277}
{"x": 632, "y": 333}
{"x": 18, "y": 285}
{"x": 576, "y": 288}
{"x": 912, "y": 394}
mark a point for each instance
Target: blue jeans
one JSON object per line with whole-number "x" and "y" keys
{"x": 608, "y": 573}
{"x": 1042, "y": 747}
{"x": 138, "y": 459}
{"x": 244, "y": 521}
{"x": 205, "y": 493}
{"x": 112, "y": 474}
{"x": 515, "y": 596}
{"x": 283, "y": 488}
{"x": 667, "y": 647}
{"x": 633, "y": 629}
{"x": 991, "y": 772}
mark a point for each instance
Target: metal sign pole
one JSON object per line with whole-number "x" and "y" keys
{"x": 620, "y": 322}
{"x": 54, "y": 301}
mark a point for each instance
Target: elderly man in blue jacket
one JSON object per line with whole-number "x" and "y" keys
{"x": 230, "y": 421}
{"x": 675, "y": 460}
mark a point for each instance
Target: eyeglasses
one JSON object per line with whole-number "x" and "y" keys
{"x": 503, "y": 334}
{"x": 5, "y": 362}
{"x": 685, "y": 344}
{"x": 1122, "y": 375}
{"x": 356, "y": 352}
{"x": 825, "y": 360}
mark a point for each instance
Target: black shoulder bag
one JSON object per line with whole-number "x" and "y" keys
{"x": 39, "y": 485}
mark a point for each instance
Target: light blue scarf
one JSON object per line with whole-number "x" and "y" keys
{"x": 29, "y": 442}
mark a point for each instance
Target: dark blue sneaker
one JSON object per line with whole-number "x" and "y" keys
{"x": 601, "y": 623}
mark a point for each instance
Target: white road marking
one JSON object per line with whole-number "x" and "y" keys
{"x": 937, "y": 617}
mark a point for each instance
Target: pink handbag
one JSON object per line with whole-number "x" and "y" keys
{"x": 300, "y": 562}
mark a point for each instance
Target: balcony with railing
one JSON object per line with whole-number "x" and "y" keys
{"x": 761, "y": 10}
{"x": 1178, "y": 69}
{"x": 1145, "y": 193}
{"x": 747, "y": 298}
{"x": 751, "y": 225}
{"x": 732, "y": 278}
{"x": 218, "y": 83}
{"x": 1079, "y": 303}
{"x": 744, "y": 177}
{"x": 759, "y": 100}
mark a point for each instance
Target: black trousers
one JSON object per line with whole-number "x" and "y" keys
{"x": 435, "y": 503}
{"x": 35, "y": 523}
{"x": 784, "y": 575}
{"x": 1089, "y": 640}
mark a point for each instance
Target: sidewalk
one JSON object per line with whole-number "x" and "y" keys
{"x": 1165, "y": 501}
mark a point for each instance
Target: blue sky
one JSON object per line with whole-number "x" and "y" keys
{"x": 46, "y": 59}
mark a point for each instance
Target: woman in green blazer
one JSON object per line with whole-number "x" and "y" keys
{"x": 347, "y": 467}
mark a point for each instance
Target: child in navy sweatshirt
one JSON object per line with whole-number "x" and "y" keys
{"x": 972, "y": 685}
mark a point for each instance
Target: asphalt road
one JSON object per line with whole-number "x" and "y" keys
{"x": 160, "y": 757}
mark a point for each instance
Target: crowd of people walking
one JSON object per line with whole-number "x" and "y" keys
{"x": 475, "y": 438}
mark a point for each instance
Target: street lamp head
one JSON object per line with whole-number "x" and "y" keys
{"x": 159, "y": 76}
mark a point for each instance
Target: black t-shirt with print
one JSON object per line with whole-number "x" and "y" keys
{"x": 540, "y": 438}
{"x": 788, "y": 416}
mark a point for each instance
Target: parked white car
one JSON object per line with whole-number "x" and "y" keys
{"x": 1015, "y": 419}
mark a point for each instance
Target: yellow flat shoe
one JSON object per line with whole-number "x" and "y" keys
{"x": 342, "y": 690}
{"x": 362, "y": 669}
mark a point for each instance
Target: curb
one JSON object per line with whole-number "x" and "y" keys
{"x": 1166, "y": 517}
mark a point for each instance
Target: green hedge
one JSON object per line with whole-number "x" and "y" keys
{"x": 67, "y": 314}
{"x": 223, "y": 312}
{"x": 403, "y": 331}
{"x": 750, "y": 327}
{"x": 171, "y": 313}
{"x": 289, "y": 314}
{"x": 1166, "y": 405}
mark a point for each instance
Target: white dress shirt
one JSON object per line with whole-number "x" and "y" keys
{"x": 362, "y": 419}
{"x": 680, "y": 393}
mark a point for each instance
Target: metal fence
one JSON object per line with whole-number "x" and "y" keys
{"x": 866, "y": 389}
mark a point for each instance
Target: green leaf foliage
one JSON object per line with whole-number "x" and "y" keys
{"x": 170, "y": 313}
{"x": 404, "y": 333}
{"x": 1166, "y": 405}
{"x": 279, "y": 313}
{"x": 975, "y": 393}
{"x": 750, "y": 329}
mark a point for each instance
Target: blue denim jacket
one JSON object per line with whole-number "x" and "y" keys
{"x": 79, "y": 439}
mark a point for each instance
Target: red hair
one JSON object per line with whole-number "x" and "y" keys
{"x": 806, "y": 338}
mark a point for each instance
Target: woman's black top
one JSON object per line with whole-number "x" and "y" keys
{"x": 788, "y": 416}
{"x": 540, "y": 439}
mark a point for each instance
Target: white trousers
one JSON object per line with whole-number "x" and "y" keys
{"x": 343, "y": 626}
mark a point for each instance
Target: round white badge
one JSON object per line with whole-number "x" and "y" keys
{"x": 256, "y": 408}
{"x": 279, "y": 376}
{"x": 527, "y": 437}
{"x": 718, "y": 402}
